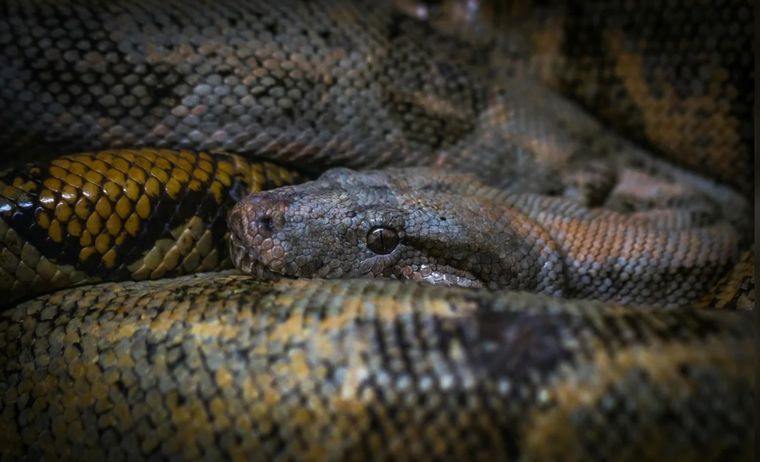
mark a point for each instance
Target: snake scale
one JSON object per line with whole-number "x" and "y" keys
{"x": 130, "y": 129}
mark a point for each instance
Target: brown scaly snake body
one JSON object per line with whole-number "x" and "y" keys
{"x": 219, "y": 365}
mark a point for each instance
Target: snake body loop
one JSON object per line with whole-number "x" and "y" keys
{"x": 119, "y": 215}
{"x": 220, "y": 366}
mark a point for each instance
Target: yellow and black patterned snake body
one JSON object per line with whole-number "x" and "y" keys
{"x": 120, "y": 215}
{"x": 148, "y": 94}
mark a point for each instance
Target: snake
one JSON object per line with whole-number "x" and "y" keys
{"x": 441, "y": 228}
{"x": 131, "y": 130}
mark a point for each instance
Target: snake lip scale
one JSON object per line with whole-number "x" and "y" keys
{"x": 245, "y": 260}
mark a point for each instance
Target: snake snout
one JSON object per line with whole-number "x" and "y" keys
{"x": 254, "y": 223}
{"x": 259, "y": 214}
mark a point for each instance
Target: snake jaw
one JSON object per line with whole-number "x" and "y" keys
{"x": 247, "y": 262}
{"x": 443, "y": 276}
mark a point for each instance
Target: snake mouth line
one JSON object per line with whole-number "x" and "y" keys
{"x": 246, "y": 262}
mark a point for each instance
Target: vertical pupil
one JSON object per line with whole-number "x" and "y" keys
{"x": 382, "y": 240}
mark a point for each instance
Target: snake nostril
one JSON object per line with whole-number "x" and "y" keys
{"x": 265, "y": 223}
{"x": 264, "y": 212}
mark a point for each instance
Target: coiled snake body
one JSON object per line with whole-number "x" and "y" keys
{"x": 221, "y": 365}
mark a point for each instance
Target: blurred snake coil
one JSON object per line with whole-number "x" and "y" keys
{"x": 128, "y": 130}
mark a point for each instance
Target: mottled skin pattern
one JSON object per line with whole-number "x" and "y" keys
{"x": 736, "y": 289}
{"x": 118, "y": 215}
{"x": 450, "y": 229}
{"x": 676, "y": 76}
{"x": 318, "y": 84}
{"x": 690, "y": 100}
{"x": 220, "y": 366}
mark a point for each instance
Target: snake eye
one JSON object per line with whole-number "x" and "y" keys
{"x": 382, "y": 240}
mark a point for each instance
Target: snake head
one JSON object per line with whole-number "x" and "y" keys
{"x": 418, "y": 224}
{"x": 346, "y": 224}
